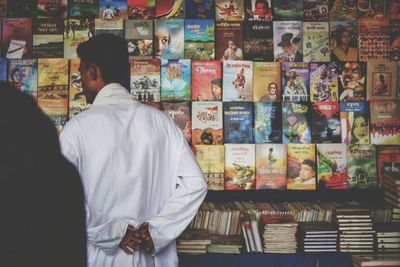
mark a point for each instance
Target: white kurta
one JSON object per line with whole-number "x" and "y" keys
{"x": 135, "y": 166}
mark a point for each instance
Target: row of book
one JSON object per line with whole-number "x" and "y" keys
{"x": 372, "y": 260}
{"x": 197, "y": 39}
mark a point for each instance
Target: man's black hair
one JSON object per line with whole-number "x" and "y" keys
{"x": 109, "y": 52}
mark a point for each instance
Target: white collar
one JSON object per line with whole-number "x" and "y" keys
{"x": 113, "y": 93}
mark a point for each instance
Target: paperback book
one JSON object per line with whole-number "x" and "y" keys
{"x": 84, "y": 9}
{"x": 238, "y": 120}
{"x": 199, "y": 39}
{"x": 16, "y": 38}
{"x": 258, "y": 10}
{"x": 180, "y": 114}
{"x": 175, "y": 80}
{"x": 361, "y": 166}
{"x": 288, "y": 37}
{"x": 316, "y": 10}
{"x": 316, "y": 42}
{"x": 374, "y": 39}
{"x": 324, "y": 82}
{"x": 271, "y": 166}
{"x": 229, "y": 10}
{"x": 141, "y": 9}
{"x": 352, "y": 81}
{"x": 77, "y": 100}
{"x": 237, "y": 80}
{"x": 344, "y": 40}
{"x": 56, "y": 9}
{"x": 332, "y": 166}
{"x": 326, "y": 122}
{"x": 258, "y": 41}
{"x": 206, "y": 80}
{"x": 301, "y": 167}
{"x": 169, "y": 39}
{"x": 296, "y": 122}
{"x": 381, "y": 80}
{"x": 240, "y": 166}
{"x": 268, "y": 122}
{"x": 229, "y": 40}
{"x": 267, "y": 86}
{"x": 385, "y": 118}
{"x": 211, "y": 160}
{"x": 48, "y": 40}
{"x": 207, "y": 123}
{"x": 115, "y": 27}
{"x": 288, "y": 10}
{"x": 354, "y": 122}
{"x": 76, "y": 31}
{"x": 295, "y": 81}
{"x": 343, "y": 10}
{"x": 22, "y": 73}
{"x": 139, "y": 36}
{"x": 113, "y": 9}
{"x": 200, "y": 9}
{"x": 145, "y": 79}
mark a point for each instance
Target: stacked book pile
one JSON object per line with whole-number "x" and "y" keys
{"x": 317, "y": 237}
{"x": 193, "y": 242}
{"x": 376, "y": 260}
{"x": 251, "y": 233}
{"x": 391, "y": 188}
{"x": 225, "y": 244}
{"x": 355, "y": 229}
{"x": 388, "y": 237}
{"x": 279, "y": 233}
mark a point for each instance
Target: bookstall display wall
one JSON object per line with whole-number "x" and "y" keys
{"x": 291, "y": 108}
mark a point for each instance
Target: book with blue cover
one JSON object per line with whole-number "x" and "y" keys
{"x": 238, "y": 122}
{"x": 175, "y": 80}
{"x": 267, "y": 122}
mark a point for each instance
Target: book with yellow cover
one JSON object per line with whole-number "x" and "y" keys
{"x": 77, "y": 100}
{"x": 211, "y": 161}
{"x": 301, "y": 167}
{"x": 270, "y": 166}
{"x": 240, "y": 166}
{"x": 267, "y": 84}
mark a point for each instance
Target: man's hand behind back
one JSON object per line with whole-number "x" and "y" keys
{"x": 136, "y": 239}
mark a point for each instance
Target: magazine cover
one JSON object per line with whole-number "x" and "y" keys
{"x": 141, "y": 9}
{"x": 332, "y": 166}
{"x": 139, "y": 35}
{"x": 229, "y": 40}
{"x": 316, "y": 10}
{"x": 200, "y": 9}
{"x": 115, "y": 27}
{"x": 374, "y": 39}
{"x": 326, "y": 122}
{"x": 296, "y": 122}
{"x": 3, "y": 69}
{"x": 377, "y": 9}
{"x": 21, "y": 8}
{"x": 199, "y": 39}
{"x": 385, "y": 120}
{"x": 288, "y": 10}
{"x": 237, "y": 80}
{"x": 170, "y": 9}
{"x": 271, "y": 166}
{"x": 352, "y": 81}
{"x": 295, "y": 81}
{"x": 48, "y": 40}
{"x": 145, "y": 79}
{"x": 381, "y": 80}
{"x": 175, "y": 80}
{"x": 343, "y": 10}
{"x": 76, "y": 31}
{"x": 16, "y": 37}
{"x": 113, "y": 9}
{"x": 324, "y": 82}
{"x": 211, "y": 160}
{"x": 267, "y": 84}
{"x": 258, "y": 10}
{"x": 169, "y": 39}
{"x": 22, "y": 73}
{"x": 288, "y": 41}
{"x": 238, "y": 122}
{"x": 206, "y": 80}
{"x": 268, "y": 122}
{"x": 344, "y": 40}
{"x": 77, "y": 100}
{"x": 207, "y": 123}
{"x": 301, "y": 167}
{"x": 240, "y": 166}
{"x": 84, "y": 9}
{"x": 395, "y": 40}
{"x": 361, "y": 166}
{"x": 3, "y": 8}
{"x": 52, "y": 9}
{"x": 229, "y": 10}
{"x": 258, "y": 41}
{"x": 354, "y": 122}
{"x": 180, "y": 114}
{"x": 388, "y": 160}
{"x": 316, "y": 42}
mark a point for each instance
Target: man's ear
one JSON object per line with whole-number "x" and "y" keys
{"x": 94, "y": 72}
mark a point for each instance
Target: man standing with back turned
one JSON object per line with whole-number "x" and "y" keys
{"x": 142, "y": 184}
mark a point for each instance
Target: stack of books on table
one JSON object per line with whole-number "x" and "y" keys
{"x": 317, "y": 237}
{"x": 388, "y": 237}
{"x": 279, "y": 233}
{"x": 225, "y": 244}
{"x": 375, "y": 260}
{"x": 193, "y": 242}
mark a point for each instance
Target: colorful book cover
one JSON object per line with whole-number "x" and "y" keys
{"x": 48, "y": 40}
{"x": 76, "y": 31}
{"x": 268, "y": 122}
{"x": 295, "y": 81}
{"x": 84, "y": 9}
{"x": 296, "y": 122}
{"x": 374, "y": 39}
{"x": 288, "y": 37}
{"x": 175, "y": 80}
{"x": 3, "y": 69}
{"x": 316, "y": 42}
{"x": 22, "y": 73}
{"x": 207, "y": 123}
{"x": 316, "y": 10}
{"x": 229, "y": 40}
{"x": 103, "y": 26}
{"x": 344, "y": 40}
{"x": 267, "y": 84}
{"x": 206, "y": 80}
{"x": 237, "y": 80}
{"x": 354, "y": 122}
{"x": 21, "y": 8}
{"x": 3, "y": 8}
{"x": 240, "y": 161}
{"x": 381, "y": 80}
{"x": 52, "y": 9}
{"x": 258, "y": 41}
{"x": 288, "y": 10}
{"x": 180, "y": 114}
{"x": 385, "y": 119}
{"x": 238, "y": 122}
{"x": 388, "y": 160}
{"x": 199, "y": 9}
{"x": 141, "y": 9}
{"x": 16, "y": 37}
{"x": 352, "y": 81}
{"x": 361, "y": 166}
{"x": 229, "y": 10}
{"x": 211, "y": 160}
{"x": 139, "y": 35}
{"x": 343, "y": 10}
{"x": 170, "y": 9}
{"x": 77, "y": 100}
{"x": 395, "y": 40}
{"x": 324, "y": 82}
{"x": 271, "y": 166}
{"x": 169, "y": 39}
{"x": 301, "y": 167}
{"x": 332, "y": 166}
{"x": 113, "y": 9}
{"x": 258, "y": 10}
{"x": 199, "y": 39}
{"x": 326, "y": 122}
{"x": 373, "y": 8}
{"x": 53, "y": 89}
{"x": 145, "y": 79}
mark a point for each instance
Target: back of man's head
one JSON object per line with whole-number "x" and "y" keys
{"x": 109, "y": 52}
